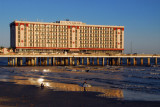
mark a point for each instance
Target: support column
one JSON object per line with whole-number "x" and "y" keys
{"x": 50, "y": 61}
{"x": 53, "y": 61}
{"x": 77, "y": 61}
{"x": 97, "y": 61}
{"x": 15, "y": 61}
{"x": 35, "y": 61}
{"x": 26, "y": 61}
{"x": 113, "y": 61}
{"x": 56, "y": 61}
{"x": 93, "y": 61}
{"x": 103, "y": 61}
{"x": 18, "y": 61}
{"x": 82, "y": 60}
{"x": 42, "y": 61}
{"x": 39, "y": 61}
{"x": 148, "y": 61}
{"x": 110, "y": 61}
{"x": 71, "y": 63}
{"x": 141, "y": 61}
{"x": 127, "y": 61}
{"x": 118, "y": 61}
{"x": 155, "y": 61}
{"x": 107, "y": 61}
{"x": 32, "y": 61}
{"x": 21, "y": 61}
{"x": 66, "y": 61}
{"x": 11, "y": 61}
{"x": 121, "y": 61}
{"x": 45, "y": 61}
{"x": 134, "y": 61}
{"x": 8, "y": 60}
{"x": 62, "y": 61}
{"x": 88, "y": 61}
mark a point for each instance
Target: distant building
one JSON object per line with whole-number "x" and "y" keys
{"x": 66, "y": 36}
{"x": 4, "y": 50}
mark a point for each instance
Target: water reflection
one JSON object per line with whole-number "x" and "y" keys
{"x": 111, "y": 93}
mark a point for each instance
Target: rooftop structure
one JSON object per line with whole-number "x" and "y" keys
{"x": 66, "y": 36}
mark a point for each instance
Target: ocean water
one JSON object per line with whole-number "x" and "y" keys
{"x": 141, "y": 83}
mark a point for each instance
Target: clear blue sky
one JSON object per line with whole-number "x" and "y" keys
{"x": 141, "y": 18}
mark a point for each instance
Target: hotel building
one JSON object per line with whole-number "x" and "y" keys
{"x": 66, "y": 36}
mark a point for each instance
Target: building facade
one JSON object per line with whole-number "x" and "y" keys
{"x": 66, "y": 36}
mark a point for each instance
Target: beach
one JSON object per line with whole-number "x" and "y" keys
{"x": 110, "y": 86}
{"x": 31, "y": 96}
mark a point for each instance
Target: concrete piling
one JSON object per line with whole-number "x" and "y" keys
{"x": 107, "y": 63}
{"x": 42, "y": 61}
{"x": 93, "y": 61}
{"x": 97, "y": 61}
{"x": 141, "y": 61}
{"x": 71, "y": 63}
{"x": 82, "y": 60}
{"x": 62, "y": 61}
{"x": 21, "y": 61}
{"x": 59, "y": 61}
{"x": 8, "y": 60}
{"x": 88, "y": 61}
{"x": 121, "y": 61}
{"x": 39, "y": 61}
{"x": 77, "y": 61}
{"x": 134, "y": 61}
{"x": 66, "y": 61}
{"x": 15, "y": 61}
{"x": 148, "y": 61}
{"x": 103, "y": 61}
{"x": 12, "y": 62}
{"x": 53, "y": 61}
{"x": 50, "y": 61}
{"x": 155, "y": 61}
{"x": 33, "y": 61}
{"x": 113, "y": 61}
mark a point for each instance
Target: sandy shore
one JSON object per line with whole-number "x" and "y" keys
{"x": 30, "y": 96}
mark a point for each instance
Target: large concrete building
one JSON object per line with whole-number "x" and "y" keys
{"x": 66, "y": 36}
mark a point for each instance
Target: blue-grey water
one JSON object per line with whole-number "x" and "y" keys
{"x": 121, "y": 82}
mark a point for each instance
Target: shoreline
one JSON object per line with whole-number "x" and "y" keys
{"x": 31, "y": 96}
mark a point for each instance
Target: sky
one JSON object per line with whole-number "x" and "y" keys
{"x": 141, "y": 18}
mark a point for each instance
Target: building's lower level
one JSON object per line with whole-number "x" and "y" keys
{"x": 69, "y": 50}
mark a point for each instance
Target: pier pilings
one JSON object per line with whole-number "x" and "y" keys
{"x": 72, "y": 61}
{"x": 149, "y": 62}
{"x": 141, "y": 61}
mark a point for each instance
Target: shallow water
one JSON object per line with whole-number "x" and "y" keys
{"x": 121, "y": 82}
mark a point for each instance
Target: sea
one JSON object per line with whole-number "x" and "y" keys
{"x": 134, "y": 83}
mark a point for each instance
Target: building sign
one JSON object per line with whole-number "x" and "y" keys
{"x": 71, "y": 22}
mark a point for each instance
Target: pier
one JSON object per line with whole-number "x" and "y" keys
{"x": 80, "y": 59}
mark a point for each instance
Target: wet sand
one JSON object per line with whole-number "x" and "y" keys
{"x": 12, "y": 95}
